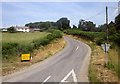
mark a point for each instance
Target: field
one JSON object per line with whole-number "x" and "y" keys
{"x": 22, "y": 38}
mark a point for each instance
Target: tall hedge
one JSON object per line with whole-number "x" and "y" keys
{"x": 98, "y": 37}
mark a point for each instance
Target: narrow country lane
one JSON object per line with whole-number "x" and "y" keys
{"x": 69, "y": 65}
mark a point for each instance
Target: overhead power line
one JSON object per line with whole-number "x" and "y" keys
{"x": 114, "y": 7}
{"x": 96, "y": 15}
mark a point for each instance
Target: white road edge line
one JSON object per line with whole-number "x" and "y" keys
{"x": 73, "y": 74}
{"x": 46, "y": 79}
{"x": 77, "y": 47}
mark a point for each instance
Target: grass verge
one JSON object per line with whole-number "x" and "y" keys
{"x": 97, "y": 72}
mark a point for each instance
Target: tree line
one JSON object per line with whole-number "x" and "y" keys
{"x": 61, "y": 24}
{"x": 64, "y": 23}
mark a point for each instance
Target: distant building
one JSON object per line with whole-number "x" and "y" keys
{"x": 4, "y": 29}
{"x": 22, "y": 29}
{"x": 35, "y": 29}
{"x": 119, "y": 7}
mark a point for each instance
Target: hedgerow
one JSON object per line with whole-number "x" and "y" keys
{"x": 98, "y": 37}
{"x": 13, "y": 49}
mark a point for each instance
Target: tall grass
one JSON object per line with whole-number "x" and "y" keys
{"x": 22, "y": 38}
{"x": 113, "y": 64}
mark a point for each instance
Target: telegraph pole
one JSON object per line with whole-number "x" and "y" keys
{"x": 106, "y": 46}
{"x": 118, "y": 7}
{"x": 106, "y": 52}
{"x": 107, "y": 23}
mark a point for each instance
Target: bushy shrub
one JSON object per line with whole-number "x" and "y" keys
{"x": 117, "y": 39}
{"x": 44, "y": 41}
{"x": 51, "y": 36}
{"x": 9, "y": 48}
{"x": 100, "y": 41}
{"x": 55, "y": 33}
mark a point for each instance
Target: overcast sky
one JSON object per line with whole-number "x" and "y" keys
{"x": 20, "y": 13}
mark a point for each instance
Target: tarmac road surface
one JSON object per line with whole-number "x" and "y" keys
{"x": 69, "y": 65}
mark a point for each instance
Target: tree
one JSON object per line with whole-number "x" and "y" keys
{"x": 42, "y": 25}
{"x": 86, "y": 25}
{"x": 117, "y": 26}
{"x": 102, "y": 28}
{"x": 111, "y": 28}
{"x": 80, "y": 25}
{"x": 90, "y": 26}
{"x": 11, "y": 29}
{"x": 63, "y": 23}
{"x": 117, "y": 23}
{"x": 74, "y": 27}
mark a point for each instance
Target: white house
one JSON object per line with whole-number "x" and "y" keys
{"x": 4, "y": 29}
{"x": 36, "y": 29}
{"x": 22, "y": 29}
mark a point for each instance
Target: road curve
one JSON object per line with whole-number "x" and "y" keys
{"x": 69, "y": 65}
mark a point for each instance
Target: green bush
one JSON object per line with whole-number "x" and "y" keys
{"x": 117, "y": 39}
{"x": 100, "y": 41}
{"x": 55, "y": 33}
{"x": 44, "y": 41}
{"x": 36, "y": 43}
{"x": 9, "y": 48}
{"x": 50, "y": 36}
